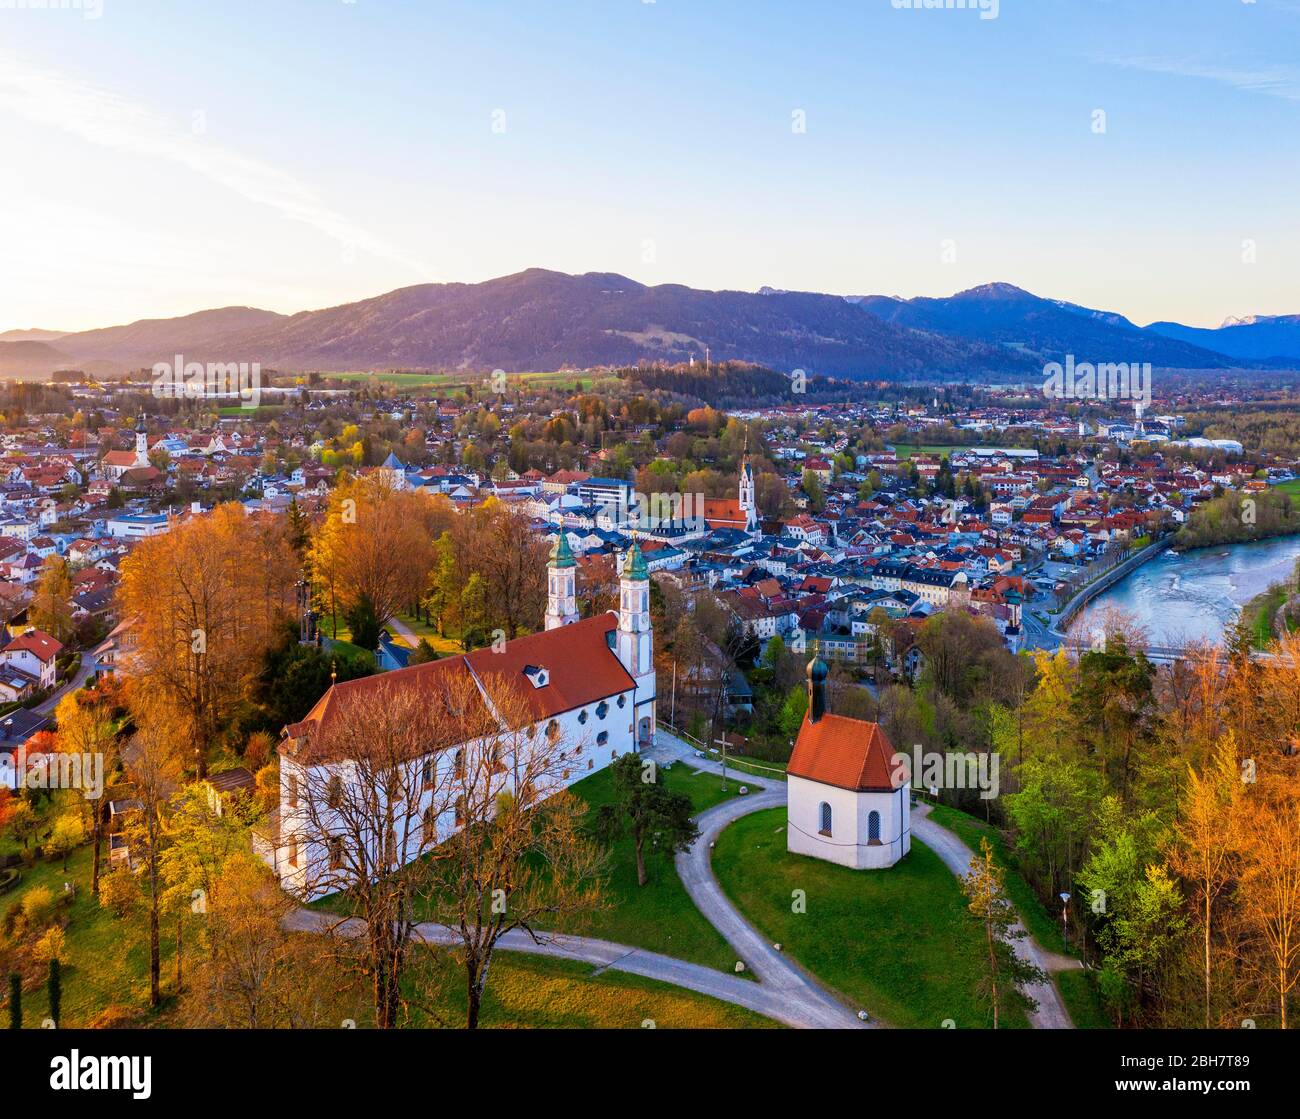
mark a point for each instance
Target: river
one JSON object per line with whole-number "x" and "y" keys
{"x": 1196, "y": 595}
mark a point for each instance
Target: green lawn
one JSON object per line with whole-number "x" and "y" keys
{"x": 660, "y": 915}
{"x": 1259, "y": 612}
{"x": 422, "y": 629}
{"x": 898, "y": 943}
{"x": 1043, "y": 927}
{"x": 542, "y": 993}
{"x": 107, "y": 963}
{"x": 1083, "y": 1000}
{"x": 107, "y": 959}
{"x": 759, "y": 767}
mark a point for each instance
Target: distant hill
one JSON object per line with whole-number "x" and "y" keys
{"x": 547, "y": 320}
{"x": 1274, "y": 339}
{"x": 150, "y": 340}
{"x": 30, "y": 335}
{"x": 1046, "y": 328}
{"x": 539, "y": 319}
{"x": 31, "y": 360}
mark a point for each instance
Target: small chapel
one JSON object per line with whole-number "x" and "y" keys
{"x": 847, "y": 801}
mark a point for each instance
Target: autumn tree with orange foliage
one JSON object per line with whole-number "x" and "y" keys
{"x": 86, "y": 727}
{"x": 375, "y": 545}
{"x": 207, "y": 600}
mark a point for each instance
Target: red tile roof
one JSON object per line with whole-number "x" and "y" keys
{"x": 41, "y": 645}
{"x": 581, "y": 666}
{"x": 847, "y": 753}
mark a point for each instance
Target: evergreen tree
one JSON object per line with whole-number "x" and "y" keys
{"x": 54, "y": 990}
{"x": 15, "y": 1001}
{"x": 645, "y": 808}
{"x": 1006, "y": 973}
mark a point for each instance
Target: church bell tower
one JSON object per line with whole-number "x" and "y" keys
{"x": 636, "y": 642}
{"x": 561, "y": 584}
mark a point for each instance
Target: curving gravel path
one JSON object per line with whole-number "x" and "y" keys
{"x": 603, "y": 954}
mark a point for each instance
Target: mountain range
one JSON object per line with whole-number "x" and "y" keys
{"x": 541, "y": 320}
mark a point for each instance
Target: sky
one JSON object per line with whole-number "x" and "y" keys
{"x": 165, "y": 156}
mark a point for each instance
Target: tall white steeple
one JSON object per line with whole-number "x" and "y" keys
{"x": 748, "y": 505}
{"x": 561, "y": 585}
{"x": 141, "y": 442}
{"x": 636, "y": 641}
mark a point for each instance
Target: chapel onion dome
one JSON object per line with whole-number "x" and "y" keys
{"x": 817, "y": 671}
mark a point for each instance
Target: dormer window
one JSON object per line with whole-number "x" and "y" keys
{"x": 537, "y": 676}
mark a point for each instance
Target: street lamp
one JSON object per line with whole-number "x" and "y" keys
{"x": 1065, "y": 915}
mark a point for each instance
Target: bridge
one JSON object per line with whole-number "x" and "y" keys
{"x": 1167, "y": 654}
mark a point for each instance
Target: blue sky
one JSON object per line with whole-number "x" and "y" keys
{"x": 302, "y": 153}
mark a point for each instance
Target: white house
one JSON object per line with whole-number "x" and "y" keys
{"x": 589, "y": 686}
{"x": 34, "y": 653}
{"x": 846, "y": 800}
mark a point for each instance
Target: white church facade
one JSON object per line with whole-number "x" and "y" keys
{"x": 589, "y": 684}
{"x": 847, "y": 800}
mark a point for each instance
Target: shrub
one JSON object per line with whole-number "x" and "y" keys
{"x": 118, "y": 890}
{"x": 38, "y": 906}
{"x": 51, "y": 946}
{"x": 114, "y": 1018}
{"x": 257, "y": 751}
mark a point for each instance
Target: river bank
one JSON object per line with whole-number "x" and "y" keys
{"x": 1198, "y": 594}
{"x": 1260, "y": 614}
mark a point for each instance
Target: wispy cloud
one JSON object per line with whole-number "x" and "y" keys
{"x": 108, "y": 120}
{"x": 1274, "y": 81}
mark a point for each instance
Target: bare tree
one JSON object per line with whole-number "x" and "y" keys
{"x": 520, "y": 858}
{"x": 369, "y": 790}
{"x": 152, "y": 765}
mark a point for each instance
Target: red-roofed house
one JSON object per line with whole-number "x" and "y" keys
{"x": 847, "y": 802}
{"x": 34, "y": 653}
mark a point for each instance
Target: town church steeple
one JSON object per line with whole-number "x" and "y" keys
{"x": 141, "y": 441}
{"x": 748, "y": 505}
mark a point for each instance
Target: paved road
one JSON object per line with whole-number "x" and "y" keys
{"x": 1051, "y": 1013}
{"x": 45, "y": 707}
{"x": 604, "y": 955}
{"x": 400, "y": 628}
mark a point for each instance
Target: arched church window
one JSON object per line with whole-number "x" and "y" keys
{"x": 825, "y": 818}
{"x": 873, "y": 827}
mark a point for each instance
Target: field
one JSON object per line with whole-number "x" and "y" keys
{"x": 897, "y": 943}
{"x": 660, "y": 915}
{"x": 564, "y": 380}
